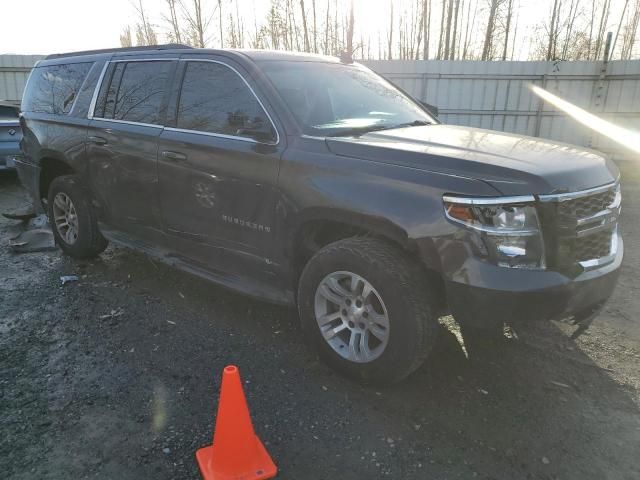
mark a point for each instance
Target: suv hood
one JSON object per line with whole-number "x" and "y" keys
{"x": 513, "y": 164}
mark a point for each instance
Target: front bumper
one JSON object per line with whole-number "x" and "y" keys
{"x": 480, "y": 293}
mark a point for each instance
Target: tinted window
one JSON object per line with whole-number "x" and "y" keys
{"x": 134, "y": 92}
{"x": 53, "y": 89}
{"x": 8, "y": 114}
{"x": 215, "y": 99}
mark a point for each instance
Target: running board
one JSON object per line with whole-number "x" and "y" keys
{"x": 244, "y": 285}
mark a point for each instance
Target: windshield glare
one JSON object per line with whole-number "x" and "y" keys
{"x": 329, "y": 99}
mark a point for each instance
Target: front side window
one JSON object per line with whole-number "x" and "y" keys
{"x": 53, "y": 89}
{"x": 215, "y": 99}
{"x": 337, "y": 99}
{"x": 134, "y": 92}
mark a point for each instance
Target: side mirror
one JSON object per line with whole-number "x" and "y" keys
{"x": 432, "y": 109}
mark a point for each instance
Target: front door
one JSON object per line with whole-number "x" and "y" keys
{"x": 122, "y": 142}
{"x": 218, "y": 168}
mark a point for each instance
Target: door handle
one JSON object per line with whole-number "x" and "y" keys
{"x": 177, "y": 156}
{"x": 98, "y": 140}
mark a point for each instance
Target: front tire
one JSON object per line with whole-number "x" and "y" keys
{"x": 367, "y": 309}
{"x": 73, "y": 219}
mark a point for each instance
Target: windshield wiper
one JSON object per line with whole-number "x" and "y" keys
{"x": 356, "y": 131}
{"x": 415, "y": 123}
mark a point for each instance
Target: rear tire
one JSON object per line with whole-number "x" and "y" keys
{"x": 347, "y": 278}
{"x": 73, "y": 219}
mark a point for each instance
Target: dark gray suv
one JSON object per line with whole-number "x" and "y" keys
{"x": 305, "y": 180}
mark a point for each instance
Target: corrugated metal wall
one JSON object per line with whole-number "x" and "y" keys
{"x": 497, "y": 95}
{"x": 14, "y": 70}
{"x": 493, "y": 95}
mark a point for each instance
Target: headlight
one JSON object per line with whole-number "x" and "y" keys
{"x": 508, "y": 227}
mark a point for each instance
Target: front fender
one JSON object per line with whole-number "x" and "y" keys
{"x": 401, "y": 203}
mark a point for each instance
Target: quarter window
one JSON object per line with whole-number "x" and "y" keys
{"x": 215, "y": 99}
{"x": 135, "y": 92}
{"x": 53, "y": 89}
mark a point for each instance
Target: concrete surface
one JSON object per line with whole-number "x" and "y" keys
{"x": 116, "y": 376}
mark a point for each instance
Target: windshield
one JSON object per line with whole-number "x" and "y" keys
{"x": 336, "y": 99}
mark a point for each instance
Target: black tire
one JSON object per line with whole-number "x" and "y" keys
{"x": 405, "y": 291}
{"x": 89, "y": 242}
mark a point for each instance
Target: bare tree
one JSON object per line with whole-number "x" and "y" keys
{"x": 172, "y": 19}
{"x": 507, "y": 30}
{"x": 467, "y": 38}
{"x": 426, "y": 26}
{"x": 602, "y": 28}
{"x": 220, "y": 20}
{"x": 125, "y": 37}
{"x": 390, "y": 35}
{"x": 615, "y": 40}
{"x": 197, "y": 22}
{"x": 553, "y": 30}
{"x": 304, "y": 26}
{"x": 441, "y": 34}
{"x": 630, "y": 34}
{"x": 315, "y": 27}
{"x": 145, "y": 35}
{"x": 350, "y": 30}
{"x": 447, "y": 41}
{"x": 452, "y": 52}
{"x": 491, "y": 24}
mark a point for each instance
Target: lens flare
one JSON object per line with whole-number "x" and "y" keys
{"x": 623, "y": 136}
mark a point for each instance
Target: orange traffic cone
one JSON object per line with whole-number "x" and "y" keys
{"x": 237, "y": 453}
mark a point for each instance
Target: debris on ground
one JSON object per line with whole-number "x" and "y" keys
{"x": 24, "y": 213}
{"x": 35, "y": 236}
{"x": 69, "y": 278}
{"x": 559, "y": 384}
{"x": 112, "y": 314}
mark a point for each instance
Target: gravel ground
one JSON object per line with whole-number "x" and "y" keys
{"x": 116, "y": 377}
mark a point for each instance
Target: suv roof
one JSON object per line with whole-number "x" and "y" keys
{"x": 256, "y": 55}
{"x": 168, "y": 46}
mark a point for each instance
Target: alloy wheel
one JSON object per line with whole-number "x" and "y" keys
{"x": 352, "y": 316}
{"x": 65, "y": 218}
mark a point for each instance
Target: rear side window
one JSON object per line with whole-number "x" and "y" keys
{"x": 215, "y": 99}
{"x": 134, "y": 92}
{"x": 54, "y": 88}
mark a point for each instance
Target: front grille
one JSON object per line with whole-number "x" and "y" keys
{"x": 594, "y": 246}
{"x": 585, "y": 225}
{"x": 583, "y": 207}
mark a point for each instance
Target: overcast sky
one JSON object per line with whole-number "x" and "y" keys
{"x": 52, "y": 26}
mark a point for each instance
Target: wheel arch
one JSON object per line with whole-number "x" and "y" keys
{"x": 319, "y": 227}
{"x": 51, "y": 167}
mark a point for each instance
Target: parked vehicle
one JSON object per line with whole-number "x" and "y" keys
{"x": 10, "y": 134}
{"x": 305, "y": 180}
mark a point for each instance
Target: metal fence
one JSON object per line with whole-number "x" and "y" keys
{"x": 493, "y": 95}
{"x": 497, "y": 95}
{"x": 14, "y": 70}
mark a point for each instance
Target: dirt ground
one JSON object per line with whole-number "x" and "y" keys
{"x": 116, "y": 377}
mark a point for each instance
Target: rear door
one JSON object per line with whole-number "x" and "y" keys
{"x": 218, "y": 167}
{"x": 122, "y": 142}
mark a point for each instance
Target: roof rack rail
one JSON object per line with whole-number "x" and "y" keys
{"x": 168, "y": 46}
